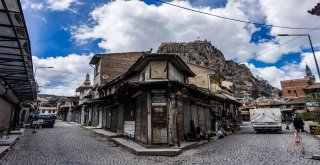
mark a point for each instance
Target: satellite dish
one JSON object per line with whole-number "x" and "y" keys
{"x": 105, "y": 76}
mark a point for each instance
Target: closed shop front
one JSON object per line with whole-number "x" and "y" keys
{"x": 187, "y": 115}
{"x": 108, "y": 117}
{"x": 201, "y": 116}
{"x": 5, "y": 113}
{"x": 141, "y": 129}
{"x": 180, "y": 119}
{"x": 95, "y": 115}
{"x": 130, "y": 117}
{"x": 114, "y": 118}
{"x": 159, "y": 119}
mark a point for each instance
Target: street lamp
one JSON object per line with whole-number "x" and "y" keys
{"x": 314, "y": 56}
{"x": 37, "y": 86}
{"x": 41, "y": 67}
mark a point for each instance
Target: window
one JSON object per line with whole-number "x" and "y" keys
{"x": 49, "y": 111}
{"x": 97, "y": 69}
{"x": 143, "y": 76}
{"x": 289, "y": 91}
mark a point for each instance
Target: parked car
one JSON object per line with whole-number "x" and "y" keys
{"x": 46, "y": 120}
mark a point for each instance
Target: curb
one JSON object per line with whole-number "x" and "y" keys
{"x": 4, "y": 152}
{"x": 11, "y": 144}
{"x": 149, "y": 153}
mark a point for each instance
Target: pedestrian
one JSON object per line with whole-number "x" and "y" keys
{"x": 301, "y": 124}
{"x": 296, "y": 123}
{"x": 287, "y": 127}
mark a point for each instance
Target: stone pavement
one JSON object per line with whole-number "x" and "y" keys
{"x": 66, "y": 144}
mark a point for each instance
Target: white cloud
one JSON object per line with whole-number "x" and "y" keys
{"x": 289, "y": 71}
{"x": 272, "y": 74}
{"x": 293, "y": 14}
{"x": 61, "y": 5}
{"x": 68, "y": 73}
{"x": 121, "y": 28}
{"x": 26, "y": 4}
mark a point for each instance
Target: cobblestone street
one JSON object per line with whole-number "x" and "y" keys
{"x": 71, "y": 145}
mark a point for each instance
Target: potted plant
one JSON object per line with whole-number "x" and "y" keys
{"x": 209, "y": 135}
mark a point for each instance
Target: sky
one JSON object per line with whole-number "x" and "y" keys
{"x": 65, "y": 34}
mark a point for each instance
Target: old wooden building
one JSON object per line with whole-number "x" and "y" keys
{"x": 154, "y": 101}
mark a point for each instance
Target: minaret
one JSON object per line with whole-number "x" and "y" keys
{"x": 309, "y": 75}
{"x": 87, "y": 82}
{"x": 308, "y": 71}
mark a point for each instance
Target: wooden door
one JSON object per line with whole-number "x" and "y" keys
{"x": 159, "y": 125}
{"x": 114, "y": 119}
{"x": 108, "y": 117}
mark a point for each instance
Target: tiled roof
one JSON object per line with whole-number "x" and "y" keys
{"x": 313, "y": 86}
{"x": 298, "y": 100}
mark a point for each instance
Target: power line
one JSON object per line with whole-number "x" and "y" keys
{"x": 237, "y": 20}
{"x": 262, "y": 53}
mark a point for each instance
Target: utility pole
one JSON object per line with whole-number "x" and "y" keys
{"x": 314, "y": 55}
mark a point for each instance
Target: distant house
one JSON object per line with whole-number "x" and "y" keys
{"x": 67, "y": 106}
{"x": 48, "y": 110}
{"x": 294, "y": 88}
{"x": 313, "y": 97}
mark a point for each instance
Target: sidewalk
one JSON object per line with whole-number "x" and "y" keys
{"x": 307, "y": 127}
{"x": 6, "y": 144}
{"x": 138, "y": 149}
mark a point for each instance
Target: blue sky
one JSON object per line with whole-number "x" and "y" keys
{"x": 68, "y": 30}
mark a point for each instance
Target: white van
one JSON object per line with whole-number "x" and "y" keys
{"x": 266, "y": 119}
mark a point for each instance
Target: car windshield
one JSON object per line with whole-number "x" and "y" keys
{"x": 44, "y": 117}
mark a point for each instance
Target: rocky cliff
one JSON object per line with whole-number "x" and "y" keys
{"x": 203, "y": 53}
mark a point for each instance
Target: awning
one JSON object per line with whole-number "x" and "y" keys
{"x": 301, "y": 111}
{"x": 244, "y": 112}
{"x": 286, "y": 110}
{"x": 16, "y": 68}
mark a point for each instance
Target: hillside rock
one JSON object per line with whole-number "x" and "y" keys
{"x": 204, "y": 54}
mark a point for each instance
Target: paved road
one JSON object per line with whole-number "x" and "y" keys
{"x": 66, "y": 144}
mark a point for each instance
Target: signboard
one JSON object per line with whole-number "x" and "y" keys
{"x": 315, "y": 129}
{"x": 129, "y": 127}
{"x": 214, "y": 106}
{"x": 159, "y": 100}
{"x": 35, "y": 122}
{"x": 312, "y": 104}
